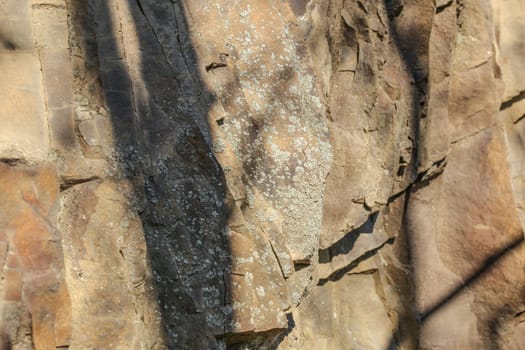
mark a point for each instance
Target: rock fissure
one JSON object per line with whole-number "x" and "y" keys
{"x": 473, "y": 134}
{"x": 66, "y": 184}
{"x": 161, "y": 46}
{"x": 519, "y": 119}
{"x": 515, "y": 99}
{"x": 442, "y": 5}
{"x": 341, "y": 272}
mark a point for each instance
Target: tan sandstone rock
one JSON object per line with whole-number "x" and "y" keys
{"x": 299, "y": 174}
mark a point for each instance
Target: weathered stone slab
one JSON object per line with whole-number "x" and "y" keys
{"x": 467, "y": 246}
{"x": 105, "y": 255}
{"x": 24, "y": 128}
{"x": 34, "y": 268}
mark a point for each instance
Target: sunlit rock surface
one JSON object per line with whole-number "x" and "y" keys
{"x": 322, "y": 174}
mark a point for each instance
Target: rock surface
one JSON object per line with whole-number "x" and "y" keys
{"x": 262, "y": 174}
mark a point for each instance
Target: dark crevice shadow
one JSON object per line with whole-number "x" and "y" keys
{"x": 158, "y": 112}
{"x": 443, "y": 7}
{"x": 412, "y": 43}
{"x": 407, "y": 328}
{"x": 423, "y": 180}
{"x": 512, "y": 101}
{"x": 345, "y": 244}
{"x": 340, "y": 273}
{"x": 274, "y": 343}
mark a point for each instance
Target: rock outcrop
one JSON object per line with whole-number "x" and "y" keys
{"x": 316, "y": 174}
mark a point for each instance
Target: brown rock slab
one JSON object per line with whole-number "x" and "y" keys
{"x": 467, "y": 246}
{"x": 345, "y": 314}
{"x": 34, "y": 267}
{"x": 113, "y": 304}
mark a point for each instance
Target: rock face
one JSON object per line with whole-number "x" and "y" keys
{"x": 317, "y": 174}
{"x": 32, "y": 260}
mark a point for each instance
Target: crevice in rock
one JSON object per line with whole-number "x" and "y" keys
{"x": 426, "y": 181}
{"x": 443, "y": 7}
{"x": 183, "y": 53}
{"x": 395, "y": 196}
{"x": 277, "y": 258}
{"x": 473, "y": 134}
{"x": 423, "y": 178}
{"x": 479, "y": 65}
{"x": 402, "y": 167}
{"x": 298, "y": 266}
{"x": 68, "y": 183}
{"x": 459, "y": 10}
{"x": 519, "y": 119}
{"x": 164, "y": 55}
{"x": 277, "y": 340}
{"x": 49, "y": 6}
{"x": 394, "y": 8}
{"x": 345, "y": 244}
{"x": 362, "y": 7}
{"x": 13, "y": 161}
{"x": 340, "y": 273}
{"x": 432, "y": 171}
{"x": 398, "y": 336}
{"x": 142, "y": 10}
{"x": 512, "y": 101}
{"x": 215, "y": 65}
{"x": 364, "y": 272}
{"x": 520, "y": 314}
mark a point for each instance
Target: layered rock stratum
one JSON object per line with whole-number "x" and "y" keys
{"x": 300, "y": 174}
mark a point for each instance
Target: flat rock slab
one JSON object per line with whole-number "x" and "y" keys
{"x": 32, "y": 256}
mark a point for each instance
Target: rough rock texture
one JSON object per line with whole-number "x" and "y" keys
{"x": 105, "y": 255}
{"x": 32, "y": 260}
{"x": 315, "y": 174}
